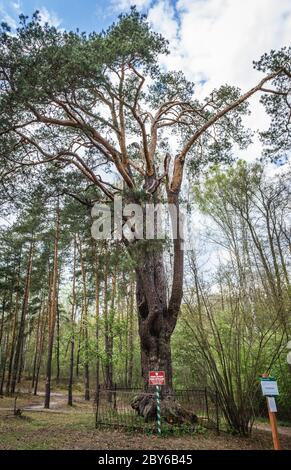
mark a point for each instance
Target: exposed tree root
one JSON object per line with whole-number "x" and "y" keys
{"x": 171, "y": 410}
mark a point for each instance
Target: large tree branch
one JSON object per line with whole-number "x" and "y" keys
{"x": 122, "y": 137}
{"x": 102, "y": 144}
{"x": 178, "y": 263}
{"x": 62, "y": 157}
{"x": 133, "y": 108}
{"x": 224, "y": 111}
{"x": 180, "y": 159}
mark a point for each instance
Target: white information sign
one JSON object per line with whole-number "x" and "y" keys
{"x": 272, "y": 404}
{"x": 269, "y": 387}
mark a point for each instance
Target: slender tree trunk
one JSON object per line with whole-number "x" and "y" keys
{"x": 58, "y": 344}
{"x": 130, "y": 336}
{"x": 71, "y": 373}
{"x": 20, "y": 337}
{"x": 73, "y": 315}
{"x": 4, "y": 302}
{"x": 58, "y": 332}
{"x": 36, "y": 351}
{"x": 21, "y": 359}
{"x": 126, "y": 342}
{"x": 105, "y": 315}
{"x": 80, "y": 336}
{"x": 108, "y": 318}
{"x": 110, "y": 330}
{"x": 52, "y": 313}
{"x": 3, "y": 360}
{"x": 97, "y": 314}
{"x": 14, "y": 329}
{"x": 85, "y": 324}
{"x": 41, "y": 348}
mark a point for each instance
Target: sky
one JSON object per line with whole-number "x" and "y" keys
{"x": 213, "y": 41}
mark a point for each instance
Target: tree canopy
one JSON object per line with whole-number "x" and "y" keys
{"x": 102, "y": 99}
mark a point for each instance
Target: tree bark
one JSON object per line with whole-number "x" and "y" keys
{"x": 41, "y": 347}
{"x": 129, "y": 352}
{"x": 85, "y": 324}
{"x": 157, "y": 315}
{"x": 21, "y": 330}
{"x": 108, "y": 379}
{"x": 73, "y": 315}
{"x": 154, "y": 328}
{"x": 3, "y": 359}
{"x": 97, "y": 314}
{"x": 52, "y": 313}
{"x": 58, "y": 344}
{"x": 14, "y": 330}
{"x": 36, "y": 351}
{"x": 157, "y": 319}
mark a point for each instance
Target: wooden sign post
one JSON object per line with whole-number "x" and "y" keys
{"x": 270, "y": 388}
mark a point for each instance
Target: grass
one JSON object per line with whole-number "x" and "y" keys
{"x": 42, "y": 430}
{"x": 74, "y": 428}
{"x": 46, "y": 431}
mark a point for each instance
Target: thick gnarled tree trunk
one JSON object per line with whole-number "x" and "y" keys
{"x": 157, "y": 318}
{"x": 155, "y": 327}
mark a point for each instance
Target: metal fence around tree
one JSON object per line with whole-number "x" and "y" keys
{"x": 113, "y": 409}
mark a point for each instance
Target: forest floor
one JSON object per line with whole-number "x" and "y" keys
{"x": 65, "y": 427}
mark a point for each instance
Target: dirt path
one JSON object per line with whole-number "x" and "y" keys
{"x": 58, "y": 404}
{"x": 284, "y": 431}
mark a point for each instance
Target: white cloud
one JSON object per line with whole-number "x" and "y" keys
{"x": 218, "y": 39}
{"x": 49, "y": 17}
{"x": 215, "y": 41}
{"x": 126, "y": 4}
{"x": 163, "y": 15}
{"x": 222, "y": 37}
{"x": 16, "y": 6}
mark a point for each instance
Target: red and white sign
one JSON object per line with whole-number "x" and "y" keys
{"x": 157, "y": 377}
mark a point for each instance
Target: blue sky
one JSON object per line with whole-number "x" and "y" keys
{"x": 87, "y": 15}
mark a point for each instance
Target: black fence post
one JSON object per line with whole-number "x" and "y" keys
{"x": 114, "y": 402}
{"x": 206, "y": 403}
{"x": 97, "y": 405}
{"x": 217, "y": 412}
